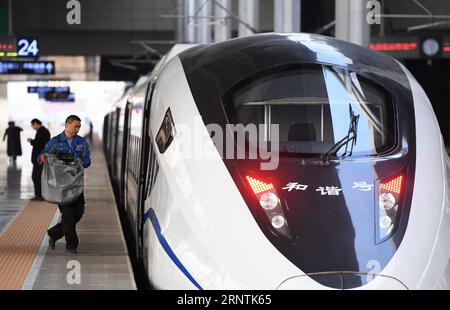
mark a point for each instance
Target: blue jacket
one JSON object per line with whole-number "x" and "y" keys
{"x": 78, "y": 148}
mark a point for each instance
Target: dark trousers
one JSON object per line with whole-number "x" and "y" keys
{"x": 36, "y": 177}
{"x": 71, "y": 215}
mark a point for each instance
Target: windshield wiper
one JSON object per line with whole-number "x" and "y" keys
{"x": 351, "y": 136}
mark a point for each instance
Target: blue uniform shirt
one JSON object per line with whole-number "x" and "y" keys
{"x": 77, "y": 146}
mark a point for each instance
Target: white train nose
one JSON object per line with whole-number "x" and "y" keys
{"x": 341, "y": 280}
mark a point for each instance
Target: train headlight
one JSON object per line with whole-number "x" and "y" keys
{"x": 385, "y": 222}
{"x": 389, "y": 198}
{"x": 278, "y": 221}
{"x": 387, "y": 201}
{"x": 269, "y": 201}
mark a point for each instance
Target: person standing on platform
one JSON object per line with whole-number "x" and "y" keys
{"x": 38, "y": 143}
{"x": 68, "y": 142}
{"x": 14, "y": 147}
{"x": 91, "y": 131}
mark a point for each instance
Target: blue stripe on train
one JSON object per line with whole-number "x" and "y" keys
{"x": 150, "y": 214}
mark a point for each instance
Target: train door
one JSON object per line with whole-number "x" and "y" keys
{"x": 116, "y": 114}
{"x": 108, "y": 141}
{"x": 146, "y": 157}
{"x": 123, "y": 157}
{"x": 112, "y": 141}
{"x": 128, "y": 163}
{"x": 105, "y": 135}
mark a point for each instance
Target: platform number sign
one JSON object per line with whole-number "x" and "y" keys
{"x": 27, "y": 47}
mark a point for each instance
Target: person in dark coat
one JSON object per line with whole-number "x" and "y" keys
{"x": 14, "y": 148}
{"x": 38, "y": 143}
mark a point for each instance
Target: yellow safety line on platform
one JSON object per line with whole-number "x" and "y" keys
{"x": 20, "y": 243}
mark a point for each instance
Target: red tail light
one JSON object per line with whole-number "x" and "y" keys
{"x": 259, "y": 186}
{"x": 393, "y": 186}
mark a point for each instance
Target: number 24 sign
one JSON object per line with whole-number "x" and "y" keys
{"x": 27, "y": 47}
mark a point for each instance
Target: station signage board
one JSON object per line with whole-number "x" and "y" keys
{"x": 446, "y": 47}
{"x": 27, "y": 67}
{"x": 402, "y": 47}
{"x": 27, "y": 47}
{"x": 53, "y": 93}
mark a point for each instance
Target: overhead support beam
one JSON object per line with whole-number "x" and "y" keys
{"x": 222, "y": 27}
{"x": 189, "y": 21}
{"x": 203, "y": 24}
{"x": 249, "y": 14}
{"x": 180, "y": 12}
{"x": 287, "y": 17}
{"x": 414, "y": 16}
{"x": 342, "y": 20}
{"x": 359, "y": 27}
{"x": 351, "y": 22}
{"x": 10, "y": 18}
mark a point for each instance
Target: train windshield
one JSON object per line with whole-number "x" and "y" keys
{"x": 311, "y": 106}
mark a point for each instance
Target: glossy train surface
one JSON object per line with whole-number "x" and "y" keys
{"x": 357, "y": 198}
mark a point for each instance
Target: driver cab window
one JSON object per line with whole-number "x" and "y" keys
{"x": 311, "y": 105}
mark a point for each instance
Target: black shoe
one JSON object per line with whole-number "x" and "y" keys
{"x": 72, "y": 251}
{"x": 51, "y": 242}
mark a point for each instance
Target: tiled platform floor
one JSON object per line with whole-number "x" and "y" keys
{"x": 102, "y": 260}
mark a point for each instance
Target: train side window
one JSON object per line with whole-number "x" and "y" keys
{"x": 131, "y": 156}
{"x": 136, "y": 166}
{"x": 152, "y": 164}
{"x": 152, "y": 171}
{"x": 133, "y": 159}
{"x": 165, "y": 133}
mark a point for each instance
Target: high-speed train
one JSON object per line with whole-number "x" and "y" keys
{"x": 283, "y": 161}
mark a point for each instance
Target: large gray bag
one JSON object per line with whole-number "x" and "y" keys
{"x": 62, "y": 181}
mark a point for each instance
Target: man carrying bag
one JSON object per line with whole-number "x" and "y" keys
{"x": 66, "y": 156}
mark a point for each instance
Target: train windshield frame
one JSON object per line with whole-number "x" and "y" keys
{"x": 312, "y": 106}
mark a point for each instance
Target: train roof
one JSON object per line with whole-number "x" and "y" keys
{"x": 239, "y": 58}
{"x": 213, "y": 70}
{"x": 174, "y": 51}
